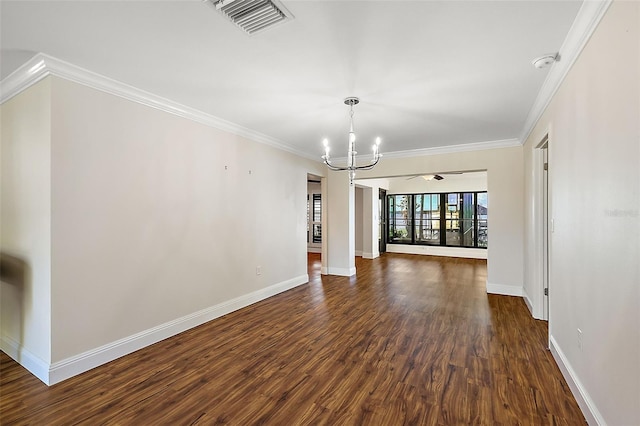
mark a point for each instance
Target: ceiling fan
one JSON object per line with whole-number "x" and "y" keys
{"x": 434, "y": 176}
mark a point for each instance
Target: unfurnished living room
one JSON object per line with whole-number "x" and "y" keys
{"x": 293, "y": 212}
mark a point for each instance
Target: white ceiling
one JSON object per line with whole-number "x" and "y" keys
{"x": 428, "y": 73}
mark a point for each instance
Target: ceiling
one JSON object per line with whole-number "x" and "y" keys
{"x": 428, "y": 73}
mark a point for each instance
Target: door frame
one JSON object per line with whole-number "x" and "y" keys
{"x": 542, "y": 229}
{"x": 382, "y": 220}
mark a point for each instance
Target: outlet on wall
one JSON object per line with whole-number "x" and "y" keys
{"x": 258, "y": 270}
{"x": 579, "y": 339}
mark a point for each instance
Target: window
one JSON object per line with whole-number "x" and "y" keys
{"x": 314, "y": 219}
{"x": 399, "y": 218}
{"x": 427, "y": 218}
{"x": 482, "y": 207}
{"x": 457, "y": 219}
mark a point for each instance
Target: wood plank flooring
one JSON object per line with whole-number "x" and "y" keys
{"x": 410, "y": 340}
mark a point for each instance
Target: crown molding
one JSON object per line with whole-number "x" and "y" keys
{"x": 22, "y": 78}
{"x": 439, "y": 150}
{"x": 587, "y": 20}
{"x": 42, "y": 65}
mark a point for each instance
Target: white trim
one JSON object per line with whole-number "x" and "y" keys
{"x": 527, "y": 301}
{"x": 367, "y": 255}
{"x": 21, "y": 79}
{"x": 343, "y": 272}
{"x": 41, "y": 66}
{"x": 314, "y": 249}
{"x": 448, "y": 149}
{"x": 537, "y": 226}
{"x": 85, "y": 361}
{"x": 359, "y": 253}
{"x": 463, "y": 252}
{"x": 32, "y": 363}
{"x": 505, "y": 290}
{"x": 588, "y": 407}
{"x": 587, "y": 20}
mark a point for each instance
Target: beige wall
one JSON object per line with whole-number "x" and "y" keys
{"x": 594, "y": 129}
{"x": 151, "y": 219}
{"x": 450, "y": 183}
{"x": 506, "y": 215}
{"x": 156, "y": 217}
{"x": 26, "y": 225}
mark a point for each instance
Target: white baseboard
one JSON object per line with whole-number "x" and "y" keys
{"x": 314, "y": 249}
{"x": 527, "y": 300}
{"x": 505, "y": 290}
{"x": 367, "y": 255}
{"x": 588, "y": 407}
{"x": 35, "y": 365}
{"x": 359, "y": 253}
{"x": 343, "y": 272}
{"x": 62, "y": 370}
{"x": 464, "y": 252}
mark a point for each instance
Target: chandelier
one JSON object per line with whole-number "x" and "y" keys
{"x": 351, "y": 154}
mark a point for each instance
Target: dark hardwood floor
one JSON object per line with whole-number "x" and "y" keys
{"x": 411, "y": 340}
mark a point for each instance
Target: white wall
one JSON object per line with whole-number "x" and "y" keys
{"x": 369, "y": 225}
{"x": 157, "y": 223}
{"x": 340, "y": 226}
{"x": 594, "y": 149}
{"x": 359, "y": 220}
{"x": 506, "y": 214}
{"x": 370, "y": 215}
{"x": 26, "y": 226}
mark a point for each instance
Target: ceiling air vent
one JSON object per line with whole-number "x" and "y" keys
{"x": 253, "y": 16}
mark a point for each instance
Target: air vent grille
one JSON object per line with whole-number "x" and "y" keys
{"x": 253, "y": 16}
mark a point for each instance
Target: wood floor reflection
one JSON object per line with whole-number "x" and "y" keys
{"x": 410, "y": 340}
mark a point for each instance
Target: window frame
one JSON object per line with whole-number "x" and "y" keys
{"x": 445, "y": 215}
{"x": 316, "y": 220}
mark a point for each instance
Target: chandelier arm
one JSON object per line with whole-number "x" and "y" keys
{"x": 370, "y": 165}
{"x": 335, "y": 168}
{"x": 342, "y": 168}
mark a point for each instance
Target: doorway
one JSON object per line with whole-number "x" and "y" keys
{"x": 545, "y": 229}
{"x": 382, "y": 221}
{"x": 316, "y": 209}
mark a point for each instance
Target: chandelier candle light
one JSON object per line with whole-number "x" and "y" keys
{"x": 351, "y": 154}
